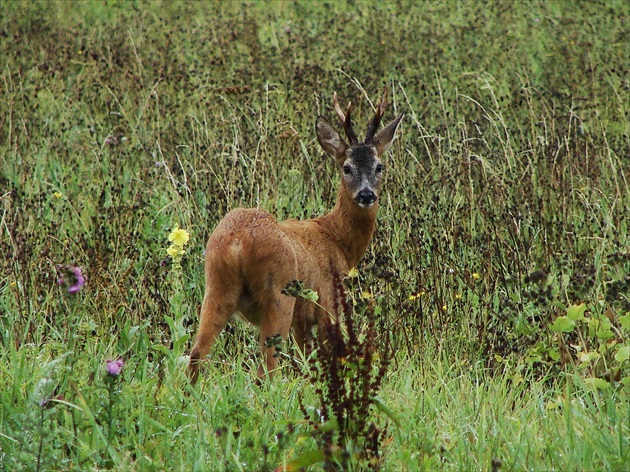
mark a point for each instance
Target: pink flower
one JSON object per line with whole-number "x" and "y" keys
{"x": 71, "y": 277}
{"x": 114, "y": 367}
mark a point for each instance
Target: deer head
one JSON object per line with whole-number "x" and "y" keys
{"x": 360, "y": 161}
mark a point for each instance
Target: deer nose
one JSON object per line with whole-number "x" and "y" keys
{"x": 365, "y": 197}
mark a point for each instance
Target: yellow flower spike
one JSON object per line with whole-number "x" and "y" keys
{"x": 179, "y": 236}
{"x": 174, "y": 251}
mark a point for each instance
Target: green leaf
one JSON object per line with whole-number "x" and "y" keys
{"x": 562, "y": 324}
{"x": 380, "y": 406}
{"x": 161, "y": 349}
{"x": 180, "y": 344}
{"x": 604, "y": 334}
{"x": 589, "y": 356}
{"x": 624, "y": 321}
{"x": 329, "y": 425}
{"x": 576, "y": 312}
{"x": 310, "y": 295}
{"x": 559, "y": 305}
{"x": 534, "y": 355}
{"x": 554, "y": 354}
{"x": 599, "y": 384}
{"x": 306, "y": 459}
{"x": 623, "y": 354}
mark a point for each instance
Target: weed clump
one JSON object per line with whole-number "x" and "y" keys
{"x": 347, "y": 376}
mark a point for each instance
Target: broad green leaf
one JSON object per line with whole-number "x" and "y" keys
{"x": 576, "y": 312}
{"x": 554, "y": 354}
{"x": 534, "y": 355}
{"x": 589, "y": 356}
{"x": 604, "y": 334}
{"x": 599, "y": 384}
{"x": 623, "y": 354}
{"x": 307, "y": 459}
{"x": 562, "y": 324}
{"x": 310, "y": 295}
{"x": 624, "y": 321}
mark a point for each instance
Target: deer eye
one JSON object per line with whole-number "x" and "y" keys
{"x": 347, "y": 170}
{"x": 379, "y": 168}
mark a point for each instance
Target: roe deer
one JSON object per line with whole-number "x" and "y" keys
{"x": 250, "y": 257}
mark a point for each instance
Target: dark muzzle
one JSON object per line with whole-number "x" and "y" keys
{"x": 365, "y": 197}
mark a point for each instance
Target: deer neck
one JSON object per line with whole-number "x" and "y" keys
{"x": 351, "y": 227}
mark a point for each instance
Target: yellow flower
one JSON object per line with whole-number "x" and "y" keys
{"x": 57, "y": 194}
{"x": 175, "y": 251}
{"x": 353, "y": 272}
{"x": 415, "y": 296}
{"x": 476, "y": 276}
{"x": 458, "y": 296}
{"x": 179, "y": 236}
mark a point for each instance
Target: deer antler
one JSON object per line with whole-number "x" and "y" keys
{"x": 378, "y": 115}
{"x": 346, "y": 122}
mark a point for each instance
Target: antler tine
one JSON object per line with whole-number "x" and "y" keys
{"x": 378, "y": 115}
{"x": 346, "y": 122}
{"x": 338, "y": 109}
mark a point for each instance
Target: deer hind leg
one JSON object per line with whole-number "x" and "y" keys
{"x": 303, "y": 321}
{"x": 276, "y": 320}
{"x": 216, "y": 310}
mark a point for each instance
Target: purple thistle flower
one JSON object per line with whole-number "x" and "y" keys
{"x": 114, "y": 368}
{"x": 71, "y": 277}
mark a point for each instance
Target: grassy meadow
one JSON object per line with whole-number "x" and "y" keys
{"x": 494, "y": 299}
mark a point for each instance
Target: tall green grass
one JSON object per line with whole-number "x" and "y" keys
{"x": 506, "y": 205}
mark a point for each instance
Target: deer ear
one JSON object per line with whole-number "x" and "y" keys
{"x": 329, "y": 138}
{"x": 385, "y": 137}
